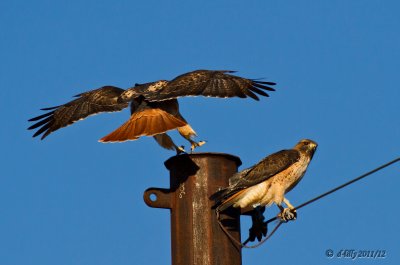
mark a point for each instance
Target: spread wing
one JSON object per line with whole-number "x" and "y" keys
{"x": 263, "y": 170}
{"x": 104, "y": 99}
{"x": 210, "y": 84}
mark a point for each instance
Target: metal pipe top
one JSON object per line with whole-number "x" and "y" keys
{"x": 172, "y": 160}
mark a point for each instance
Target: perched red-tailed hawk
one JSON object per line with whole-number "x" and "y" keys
{"x": 154, "y": 106}
{"x": 268, "y": 181}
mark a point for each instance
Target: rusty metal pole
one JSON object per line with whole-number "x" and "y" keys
{"x": 196, "y": 238}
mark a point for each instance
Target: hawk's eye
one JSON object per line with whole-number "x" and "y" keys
{"x": 306, "y": 143}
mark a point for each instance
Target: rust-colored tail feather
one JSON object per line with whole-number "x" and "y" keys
{"x": 148, "y": 122}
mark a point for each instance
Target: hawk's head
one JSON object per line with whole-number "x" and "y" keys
{"x": 307, "y": 146}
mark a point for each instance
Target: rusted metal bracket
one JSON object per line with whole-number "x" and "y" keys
{"x": 196, "y": 238}
{"x": 158, "y": 198}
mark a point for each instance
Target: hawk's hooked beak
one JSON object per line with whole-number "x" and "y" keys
{"x": 312, "y": 147}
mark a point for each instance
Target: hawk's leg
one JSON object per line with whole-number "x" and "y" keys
{"x": 195, "y": 144}
{"x": 287, "y": 214}
{"x": 288, "y": 204}
{"x": 187, "y": 132}
{"x": 180, "y": 149}
{"x": 259, "y": 227}
{"x": 165, "y": 141}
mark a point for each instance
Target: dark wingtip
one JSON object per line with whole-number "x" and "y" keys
{"x": 252, "y": 95}
{"x": 262, "y": 85}
{"x": 35, "y": 134}
{"x": 258, "y": 91}
{"x": 42, "y": 122}
{"x": 41, "y": 116}
{"x": 45, "y": 135}
{"x": 264, "y": 82}
{"x": 50, "y": 108}
{"x": 45, "y": 128}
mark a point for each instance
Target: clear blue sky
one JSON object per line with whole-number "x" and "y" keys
{"x": 71, "y": 200}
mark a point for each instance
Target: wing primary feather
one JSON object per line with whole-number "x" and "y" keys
{"x": 257, "y": 84}
{"x": 99, "y": 100}
{"x": 41, "y": 116}
{"x": 263, "y": 82}
{"x": 40, "y": 123}
{"x": 259, "y": 91}
{"x": 41, "y": 130}
{"x": 252, "y": 95}
{"x": 46, "y": 134}
{"x": 51, "y": 108}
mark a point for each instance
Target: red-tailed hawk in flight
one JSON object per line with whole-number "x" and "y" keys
{"x": 154, "y": 106}
{"x": 268, "y": 181}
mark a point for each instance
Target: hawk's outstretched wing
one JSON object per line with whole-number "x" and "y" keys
{"x": 160, "y": 98}
{"x": 263, "y": 170}
{"x": 104, "y": 99}
{"x": 210, "y": 84}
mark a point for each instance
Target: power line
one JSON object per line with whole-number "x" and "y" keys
{"x": 348, "y": 183}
